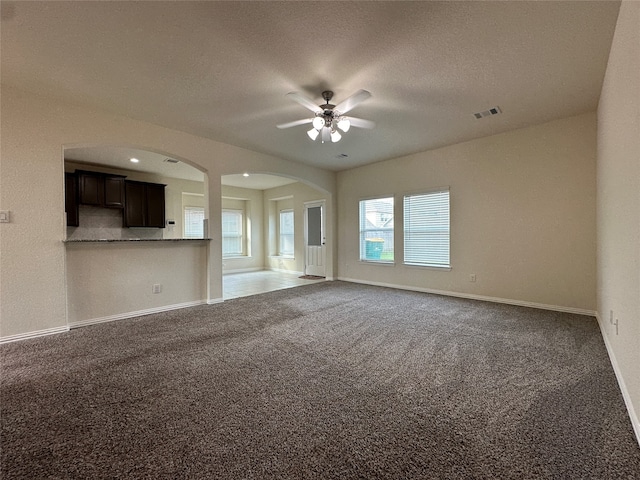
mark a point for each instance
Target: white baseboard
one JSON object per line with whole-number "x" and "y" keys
{"x": 635, "y": 420}
{"x": 508, "y": 301}
{"x": 138, "y": 313}
{"x": 37, "y": 333}
{"x": 213, "y": 301}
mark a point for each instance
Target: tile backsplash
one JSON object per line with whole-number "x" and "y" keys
{"x": 97, "y": 223}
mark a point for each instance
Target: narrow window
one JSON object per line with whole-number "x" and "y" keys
{"x": 193, "y": 222}
{"x": 286, "y": 233}
{"x": 376, "y": 230}
{"x": 426, "y": 229}
{"x": 231, "y": 233}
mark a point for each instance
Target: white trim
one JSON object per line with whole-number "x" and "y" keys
{"x": 138, "y": 313}
{"x": 37, "y": 333}
{"x": 635, "y": 420}
{"x": 508, "y": 301}
{"x": 213, "y": 301}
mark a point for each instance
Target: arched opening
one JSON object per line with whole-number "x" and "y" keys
{"x": 264, "y": 232}
{"x": 133, "y": 243}
{"x": 185, "y": 185}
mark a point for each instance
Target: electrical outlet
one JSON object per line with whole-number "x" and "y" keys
{"x": 157, "y": 288}
{"x": 472, "y": 277}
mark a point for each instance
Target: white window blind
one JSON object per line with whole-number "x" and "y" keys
{"x": 426, "y": 229}
{"x": 376, "y": 230}
{"x": 231, "y": 232}
{"x": 286, "y": 233}
{"x": 193, "y": 222}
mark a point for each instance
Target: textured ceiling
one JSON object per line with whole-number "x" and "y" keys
{"x": 221, "y": 69}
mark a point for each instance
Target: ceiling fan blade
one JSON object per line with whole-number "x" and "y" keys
{"x": 295, "y": 123}
{"x": 350, "y": 102}
{"x": 326, "y": 134}
{"x": 361, "y": 123}
{"x": 304, "y": 101}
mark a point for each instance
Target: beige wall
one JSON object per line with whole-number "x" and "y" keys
{"x": 35, "y": 131}
{"x": 522, "y": 215}
{"x": 109, "y": 280}
{"x": 619, "y": 205}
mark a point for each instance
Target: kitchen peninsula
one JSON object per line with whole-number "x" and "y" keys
{"x": 125, "y": 255}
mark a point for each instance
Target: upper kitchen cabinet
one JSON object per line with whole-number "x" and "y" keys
{"x": 101, "y": 189}
{"x": 144, "y": 204}
{"x": 71, "y": 199}
{"x": 114, "y": 191}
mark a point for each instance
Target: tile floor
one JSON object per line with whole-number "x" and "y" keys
{"x": 251, "y": 283}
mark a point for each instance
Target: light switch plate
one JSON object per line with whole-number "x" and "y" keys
{"x": 4, "y": 216}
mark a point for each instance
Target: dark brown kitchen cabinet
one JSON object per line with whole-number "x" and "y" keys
{"x": 101, "y": 189}
{"x": 71, "y": 207}
{"x": 144, "y": 204}
{"x": 91, "y": 188}
{"x": 114, "y": 191}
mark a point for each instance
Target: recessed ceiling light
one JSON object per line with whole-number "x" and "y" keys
{"x": 134, "y": 160}
{"x": 245, "y": 174}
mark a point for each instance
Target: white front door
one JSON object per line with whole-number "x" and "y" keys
{"x": 314, "y": 239}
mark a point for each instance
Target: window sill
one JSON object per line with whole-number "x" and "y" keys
{"x": 378, "y": 262}
{"x": 446, "y": 268}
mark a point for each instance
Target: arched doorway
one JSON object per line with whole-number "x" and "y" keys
{"x": 118, "y": 269}
{"x": 263, "y": 244}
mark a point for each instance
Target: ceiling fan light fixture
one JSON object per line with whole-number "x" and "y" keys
{"x": 328, "y": 121}
{"x": 344, "y": 124}
{"x": 318, "y": 123}
{"x": 313, "y": 133}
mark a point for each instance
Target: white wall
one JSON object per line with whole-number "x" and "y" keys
{"x": 35, "y": 131}
{"x": 619, "y": 205}
{"x": 522, "y": 215}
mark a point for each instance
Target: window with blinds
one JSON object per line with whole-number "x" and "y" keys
{"x": 193, "y": 222}
{"x": 376, "y": 230}
{"x": 231, "y": 233}
{"x": 426, "y": 229}
{"x": 286, "y": 233}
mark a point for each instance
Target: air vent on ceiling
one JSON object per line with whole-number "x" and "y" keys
{"x": 342, "y": 155}
{"x": 488, "y": 113}
{"x": 171, "y": 160}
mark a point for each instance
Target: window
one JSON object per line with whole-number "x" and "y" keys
{"x": 426, "y": 229}
{"x": 376, "y": 230}
{"x": 193, "y": 222}
{"x": 286, "y": 233}
{"x": 231, "y": 233}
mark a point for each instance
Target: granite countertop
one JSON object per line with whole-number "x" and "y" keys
{"x": 114, "y": 240}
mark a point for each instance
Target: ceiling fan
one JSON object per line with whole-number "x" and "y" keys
{"x": 329, "y": 119}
